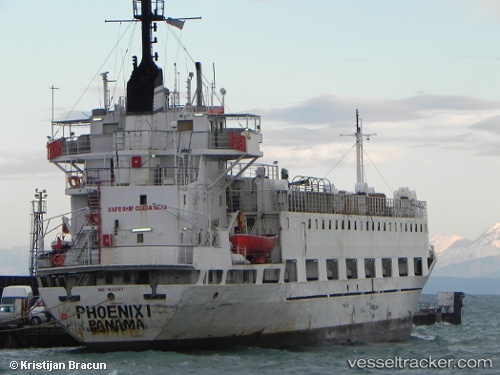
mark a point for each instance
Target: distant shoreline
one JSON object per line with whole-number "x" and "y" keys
{"x": 468, "y": 285}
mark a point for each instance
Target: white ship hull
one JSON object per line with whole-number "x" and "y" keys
{"x": 272, "y": 315}
{"x": 157, "y": 191}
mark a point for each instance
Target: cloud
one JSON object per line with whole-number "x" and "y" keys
{"x": 490, "y": 124}
{"x": 15, "y": 165}
{"x": 337, "y": 111}
{"x": 308, "y": 131}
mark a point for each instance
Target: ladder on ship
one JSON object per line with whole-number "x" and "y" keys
{"x": 87, "y": 236}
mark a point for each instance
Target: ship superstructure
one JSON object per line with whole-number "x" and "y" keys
{"x": 179, "y": 238}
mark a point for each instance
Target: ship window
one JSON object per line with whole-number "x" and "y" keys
{"x": 143, "y": 199}
{"x": 184, "y": 125}
{"x": 127, "y": 277}
{"x": 142, "y": 277}
{"x": 369, "y": 268}
{"x": 429, "y": 261}
{"x": 329, "y": 224}
{"x": 250, "y": 222}
{"x": 109, "y": 128}
{"x": 140, "y": 237}
{"x": 367, "y": 225}
{"x": 403, "y": 266}
{"x": 179, "y": 277}
{"x": 271, "y": 275}
{"x": 386, "y": 267}
{"x": 290, "y": 271}
{"x": 351, "y": 268}
{"x": 309, "y": 224}
{"x": 311, "y": 269}
{"x": 332, "y": 269}
{"x": 417, "y": 266}
{"x": 214, "y": 277}
{"x": 322, "y": 224}
{"x": 240, "y": 277}
{"x": 109, "y": 278}
{"x": 355, "y": 225}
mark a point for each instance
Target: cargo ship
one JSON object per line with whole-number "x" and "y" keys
{"x": 179, "y": 238}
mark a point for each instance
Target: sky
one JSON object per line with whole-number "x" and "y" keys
{"x": 424, "y": 75}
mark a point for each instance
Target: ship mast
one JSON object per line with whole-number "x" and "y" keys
{"x": 360, "y": 168}
{"x": 147, "y": 76}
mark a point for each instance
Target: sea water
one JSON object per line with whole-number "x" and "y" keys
{"x": 470, "y": 348}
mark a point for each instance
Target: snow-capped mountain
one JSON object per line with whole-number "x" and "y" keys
{"x": 458, "y": 257}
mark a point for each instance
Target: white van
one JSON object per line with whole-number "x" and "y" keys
{"x": 13, "y": 292}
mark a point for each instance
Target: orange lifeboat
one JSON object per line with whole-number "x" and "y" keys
{"x": 256, "y": 247}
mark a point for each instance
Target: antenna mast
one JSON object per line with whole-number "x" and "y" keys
{"x": 360, "y": 168}
{"x": 39, "y": 206}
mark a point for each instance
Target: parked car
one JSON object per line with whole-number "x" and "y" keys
{"x": 6, "y": 313}
{"x": 38, "y": 313}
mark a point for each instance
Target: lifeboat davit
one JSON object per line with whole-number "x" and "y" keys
{"x": 255, "y": 247}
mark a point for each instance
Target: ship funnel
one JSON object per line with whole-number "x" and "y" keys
{"x": 199, "y": 86}
{"x": 147, "y": 75}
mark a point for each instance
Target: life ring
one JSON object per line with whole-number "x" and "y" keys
{"x": 74, "y": 181}
{"x": 58, "y": 259}
{"x": 93, "y": 219}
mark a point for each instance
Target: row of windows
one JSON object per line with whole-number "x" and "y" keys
{"x": 352, "y": 271}
{"x": 269, "y": 275}
{"x": 351, "y": 268}
{"x": 368, "y": 225}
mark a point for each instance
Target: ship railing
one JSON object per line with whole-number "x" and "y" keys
{"x": 354, "y": 204}
{"x": 119, "y": 255}
{"x": 67, "y": 146}
{"x": 269, "y": 171}
{"x": 180, "y": 140}
{"x": 147, "y": 254}
{"x": 325, "y": 203}
{"x": 68, "y": 257}
{"x": 146, "y": 140}
{"x": 144, "y": 176}
{"x": 234, "y": 121}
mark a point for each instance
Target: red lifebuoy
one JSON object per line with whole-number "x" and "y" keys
{"x": 58, "y": 259}
{"x": 93, "y": 219}
{"x": 74, "y": 181}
